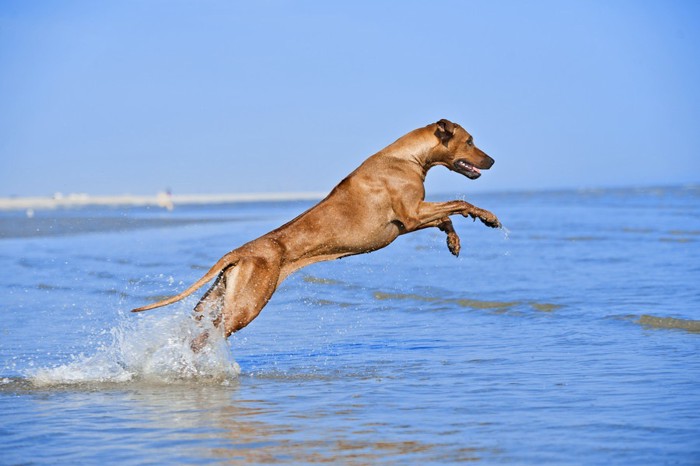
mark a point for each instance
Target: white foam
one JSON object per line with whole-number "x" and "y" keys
{"x": 154, "y": 348}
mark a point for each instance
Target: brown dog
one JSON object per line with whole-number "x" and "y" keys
{"x": 382, "y": 199}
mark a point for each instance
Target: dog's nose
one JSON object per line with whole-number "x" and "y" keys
{"x": 486, "y": 162}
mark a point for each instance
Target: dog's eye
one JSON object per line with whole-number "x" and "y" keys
{"x": 470, "y": 142}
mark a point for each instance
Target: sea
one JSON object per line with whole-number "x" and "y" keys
{"x": 570, "y": 336}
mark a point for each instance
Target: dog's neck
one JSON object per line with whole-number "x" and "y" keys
{"x": 418, "y": 147}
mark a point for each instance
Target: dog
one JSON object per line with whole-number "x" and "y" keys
{"x": 379, "y": 201}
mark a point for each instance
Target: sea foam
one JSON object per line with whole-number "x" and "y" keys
{"x": 151, "y": 348}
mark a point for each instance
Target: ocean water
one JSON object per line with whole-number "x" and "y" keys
{"x": 570, "y": 337}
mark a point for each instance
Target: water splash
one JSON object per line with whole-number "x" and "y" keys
{"x": 506, "y": 237}
{"x": 152, "y": 348}
{"x": 506, "y": 233}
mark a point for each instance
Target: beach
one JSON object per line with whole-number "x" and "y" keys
{"x": 161, "y": 199}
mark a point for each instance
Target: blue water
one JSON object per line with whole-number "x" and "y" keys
{"x": 572, "y": 337}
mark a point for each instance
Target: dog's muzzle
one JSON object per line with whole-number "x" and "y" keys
{"x": 467, "y": 169}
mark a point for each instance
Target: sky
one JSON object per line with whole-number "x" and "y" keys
{"x": 213, "y": 96}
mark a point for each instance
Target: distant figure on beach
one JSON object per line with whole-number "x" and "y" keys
{"x": 165, "y": 199}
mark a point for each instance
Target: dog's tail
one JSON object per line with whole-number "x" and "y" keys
{"x": 228, "y": 260}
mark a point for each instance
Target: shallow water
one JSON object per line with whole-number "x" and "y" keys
{"x": 573, "y": 339}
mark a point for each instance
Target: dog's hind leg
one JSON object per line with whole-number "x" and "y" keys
{"x": 210, "y": 306}
{"x": 212, "y": 299}
{"x": 249, "y": 286}
{"x": 242, "y": 290}
{"x": 238, "y": 295}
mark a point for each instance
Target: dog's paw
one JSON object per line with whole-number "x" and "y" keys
{"x": 489, "y": 219}
{"x": 486, "y": 217}
{"x": 453, "y": 243}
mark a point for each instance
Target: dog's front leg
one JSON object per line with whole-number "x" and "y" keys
{"x": 429, "y": 212}
{"x": 445, "y": 225}
{"x": 486, "y": 217}
{"x": 453, "y": 243}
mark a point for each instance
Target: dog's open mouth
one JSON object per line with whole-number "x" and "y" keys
{"x": 467, "y": 169}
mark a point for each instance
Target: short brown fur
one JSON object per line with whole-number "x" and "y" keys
{"x": 382, "y": 199}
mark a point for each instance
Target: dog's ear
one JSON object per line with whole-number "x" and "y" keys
{"x": 445, "y": 130}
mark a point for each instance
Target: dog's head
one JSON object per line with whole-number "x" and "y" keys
{"x": 456, "y": 150}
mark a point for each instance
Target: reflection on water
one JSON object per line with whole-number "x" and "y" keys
{"x": 198, "y": 421}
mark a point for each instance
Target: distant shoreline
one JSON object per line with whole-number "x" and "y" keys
{"x": 163, "y": 200}
{"x": 169, "y": 201}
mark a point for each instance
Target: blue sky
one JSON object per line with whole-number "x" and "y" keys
{"x": 113, "y": 97}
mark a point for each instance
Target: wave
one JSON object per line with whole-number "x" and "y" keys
{"x": 150, "y": 348}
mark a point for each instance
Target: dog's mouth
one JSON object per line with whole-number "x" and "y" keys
{"x": 467, "y": 169}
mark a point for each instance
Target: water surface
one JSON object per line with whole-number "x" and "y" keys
{"x": 572, "y": 339}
